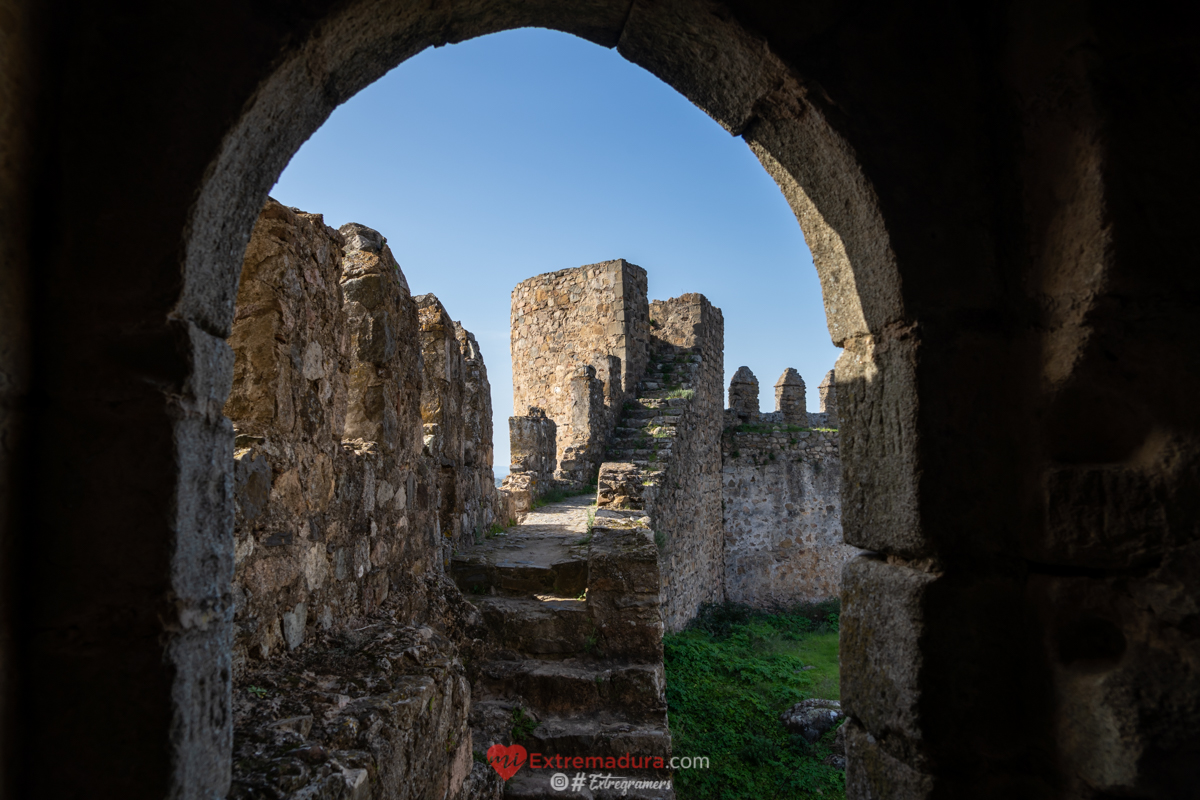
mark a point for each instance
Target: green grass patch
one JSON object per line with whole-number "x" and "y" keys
{"x": 685, "y": 394}
{"x": 729, "y": 676}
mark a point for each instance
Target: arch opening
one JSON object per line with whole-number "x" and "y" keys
{"x": 725, "y": 71}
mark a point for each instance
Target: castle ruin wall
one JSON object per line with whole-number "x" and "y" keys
{"x": 533, "y": 447}
{"x": 781, "y": 502}
{"x": 564, "y": 322}
{"x": 685, "y": 505}
{"x": 337, "y": 507}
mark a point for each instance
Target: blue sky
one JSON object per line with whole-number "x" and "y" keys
{"x": 529, "y": 151}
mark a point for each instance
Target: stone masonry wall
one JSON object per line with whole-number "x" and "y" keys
{"x": 686, "y": 504}
{"x": 564, "y": 322}
{"x": 781, "y": 500}
{"x": 477, "y": 478}
{"x": 337, "y": 507}
{"x": 532, "y": 445}
{"x": 442, "y": 412}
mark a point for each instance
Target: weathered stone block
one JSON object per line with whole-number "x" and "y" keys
{"x": 789, "y": 398}
{"x": 624, "y": 586}
{"x": 876, "y": 384}
{"x": 882, "y": 623}
{"x": 743, "y": 396}
{"x": 874, "y": 774}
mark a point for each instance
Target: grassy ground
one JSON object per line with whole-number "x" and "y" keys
{"x": 728, "y": 678}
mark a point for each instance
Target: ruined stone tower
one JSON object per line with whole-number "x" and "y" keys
{"x": 580, "y": 340}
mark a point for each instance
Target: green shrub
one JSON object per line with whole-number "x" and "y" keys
{"x": 522, "y": 724}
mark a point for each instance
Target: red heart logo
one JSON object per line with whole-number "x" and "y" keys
{"x": 506, "y": 759}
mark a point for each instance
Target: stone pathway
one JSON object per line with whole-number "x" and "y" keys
{"x": 575, "y": 647}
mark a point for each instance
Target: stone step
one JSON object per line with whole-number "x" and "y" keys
{"x": 577, "y": 688}
{"x": 667, "y": 426}
{"x": 648, "y": 423}
{"x": 510, "y": 574}
{"x": 541, "y": 628}
{"x": 662, "y": 393}
{"x": 608, "y": 734}
{"x": 641, "y": 415}
{"x": 647, "y": 443}
{"x": 643, "y": 457}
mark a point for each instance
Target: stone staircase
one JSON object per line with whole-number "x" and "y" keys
{"x": 574, "y": 649}
{"x": 643, "y": 441}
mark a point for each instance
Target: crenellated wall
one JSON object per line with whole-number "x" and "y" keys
{"x": 781, "y": 500}
{"x": 336, "y": 372}
{"x": 563, "y": 323}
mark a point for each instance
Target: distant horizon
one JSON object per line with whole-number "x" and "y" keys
{"x": 527, "y": 152}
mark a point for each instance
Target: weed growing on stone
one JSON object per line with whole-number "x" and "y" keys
{"x": 660, "y": 540}
{"x": 685, "y": 394}
{"x": 522, "y": 725}
{"x": 729, "y": 676}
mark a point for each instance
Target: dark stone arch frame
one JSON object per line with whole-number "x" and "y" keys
{"x": 1041, "y": 232}
{"x": 728, "y": 72}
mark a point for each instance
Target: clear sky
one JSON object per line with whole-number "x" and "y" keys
{"x": 530, "y": 151}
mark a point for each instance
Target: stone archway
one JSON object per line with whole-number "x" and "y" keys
{"x": 1020, "y": 448}
{"x": 725, "y": 70}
